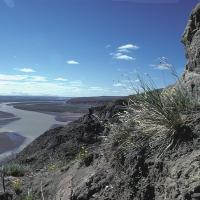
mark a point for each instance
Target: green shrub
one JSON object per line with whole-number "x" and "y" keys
{"x": 121, "y": 132}
{"x": 85, "y": 156}
{"x": 16, "y": 170}
{"x": 29, "y": 195}
{"x": 82, "y": 153}
{"x": 152, "y": 110}
{"x": 161, "y": 108}
{"x": 17, "y": 185}
{"x": 52, "y": 167}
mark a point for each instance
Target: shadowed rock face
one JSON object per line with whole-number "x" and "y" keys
{"x": 191, "y": 40}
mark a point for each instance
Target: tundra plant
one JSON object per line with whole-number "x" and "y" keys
{"x": 153, "y": 108}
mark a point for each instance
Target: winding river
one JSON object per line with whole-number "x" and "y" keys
{"x": 30, "y": 124}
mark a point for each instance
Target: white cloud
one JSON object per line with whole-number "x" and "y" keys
{"x": 120, "y": 56}
{"x": 137, "y": 80}
{"x": 72, "y": 62}
{"x": 127, "y": 47}
{"x": 6, "y": 77}
{"x": 76, "y": 83}
{"x": 162, "y": 64}
{"x": 123, "y": 52}
{"x": 38, "y": 78}
{"x": 28, "y": 87}
{"x": 96, "y": 88}
{"x": 60, "y": 79}
{"x": 40, "y": 85}
{"x": 10, "y": 3}
{"x": 26, "y": 70}
{"x": 118, "y": 84}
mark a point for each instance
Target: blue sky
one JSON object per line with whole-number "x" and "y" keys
{"x": 89, "y": 47}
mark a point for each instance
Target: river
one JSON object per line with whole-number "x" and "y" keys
{"x": 30, "y": 124}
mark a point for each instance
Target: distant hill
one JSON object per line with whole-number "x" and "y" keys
{"x": 94, "y": 100}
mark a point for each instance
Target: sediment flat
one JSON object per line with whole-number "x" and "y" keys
{"x": 10, "y": 141}
{"x": 18, "y": 127}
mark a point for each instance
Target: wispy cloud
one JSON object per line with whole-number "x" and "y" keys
{"x": 61, "y": 79}
{"x": 96, "y": 88}
{"x": 137, "y": 80}
{"x": 127, "y": 47}
{"x": 162, "y": 64}
{"x": 123, "y": 52}
{"x": 41, "y": 85}
{"x": 76, "y": 83}
{"x": 121, "y": 56}
{"x": 6, "y": 77}
{"x": 26, "y": 70}
{"x": 118, "y": 84}
{"x": 10, "y": 3}
{"x": 72, "y": 62}
{"x": 38, "y": 78}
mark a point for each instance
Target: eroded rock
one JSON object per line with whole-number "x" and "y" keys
{"x": 191, "y": 40}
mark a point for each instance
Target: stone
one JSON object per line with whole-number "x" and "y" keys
{"x": 191, "y": 40}
{"x": 6, "y": 196}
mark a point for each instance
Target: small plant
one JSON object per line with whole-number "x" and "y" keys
{"x": 156, "y": 108}
{"x": 52, "y": 167}
{"x": 29, "y": 195}
{"x": 151, "y": 110}
{"x": 85, "y": 157}
{"x": 83, "y": 153}
{"x": 16, "y": 170}
{"x": 121, "y": 132}
{"x": 17, "y": 186}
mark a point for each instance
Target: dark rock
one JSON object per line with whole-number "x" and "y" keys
{"x": 196, "y": 196}
{"x": 6, "y": 196}
{"x": 191, "y": 40}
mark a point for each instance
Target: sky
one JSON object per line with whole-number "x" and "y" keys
{"x": 89, "y": 47}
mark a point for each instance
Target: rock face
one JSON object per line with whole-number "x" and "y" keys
{"x": 191, "y": 40}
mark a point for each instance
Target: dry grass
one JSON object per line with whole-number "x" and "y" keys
{"x": 155, "y": 115}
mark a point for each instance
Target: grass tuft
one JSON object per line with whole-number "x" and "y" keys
{"x": 16, "y": 170}
{"x": 29, "y": 195}
{"x": 157, "y": 113}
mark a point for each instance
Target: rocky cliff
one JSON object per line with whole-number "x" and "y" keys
{"x": 191, "y": 40}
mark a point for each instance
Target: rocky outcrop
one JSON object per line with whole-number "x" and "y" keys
{"x": 64, "y": 143}
{"x": 191, "y": 40}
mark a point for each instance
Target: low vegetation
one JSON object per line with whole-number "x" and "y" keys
{"x": 29, "y": 195}
{"x": 151, "y": 111}
{"x": 152, "y": 108}
{"x": 82, "y": 153}
{"x": 17, "y": 185}
{"x": 16, "y": 170}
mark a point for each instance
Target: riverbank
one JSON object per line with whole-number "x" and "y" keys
{"x": 6, "y": 118}
{"x": 18, "y": 127}
{"x": 10, "y": 141}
